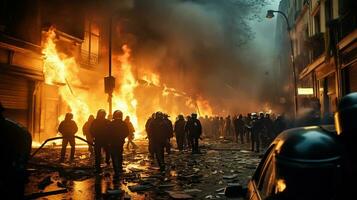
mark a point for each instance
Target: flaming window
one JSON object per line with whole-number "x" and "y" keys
{"x": 90, "y": 45}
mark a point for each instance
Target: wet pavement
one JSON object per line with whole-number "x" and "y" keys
{"x": 187, "y": 176}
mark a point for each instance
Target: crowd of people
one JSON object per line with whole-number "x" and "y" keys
{"x": 108, "y": 135}
{"x": 255, "y": 128}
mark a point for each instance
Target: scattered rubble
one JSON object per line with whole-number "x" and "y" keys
{"x": 220, "y": 168}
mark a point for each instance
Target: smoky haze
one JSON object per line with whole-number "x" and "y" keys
{"x": 202, "y": 47}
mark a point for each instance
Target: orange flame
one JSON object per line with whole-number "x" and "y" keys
{"x": 61, "y": 70}
{"x": 124, "y": 99}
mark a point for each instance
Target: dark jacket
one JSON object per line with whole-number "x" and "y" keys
{"x": 118, "y": 131}
{"x": 180, "y": 127}
{"x": 158, "y": 131}
{"x": 194, "y": 128}
{"x": 86, "y": 129}
{"x": 68, "y": 128}
{"x": 99, "y": 130}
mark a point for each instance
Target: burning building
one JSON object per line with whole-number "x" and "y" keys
{"x": 54, "y": 57}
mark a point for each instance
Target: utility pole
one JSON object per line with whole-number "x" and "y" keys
{"x": 109, "y": 81}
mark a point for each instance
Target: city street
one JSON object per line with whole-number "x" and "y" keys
{"x": 202, "y": 176}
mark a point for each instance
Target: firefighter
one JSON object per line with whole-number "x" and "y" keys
{"x": 118, "y": 131}
{"x": 194, "y": 129}
{"x": 15, "y": 149}
{"x": 87, "y": 134}
{"x": 179, "y": 130}
{"x": 99, "y": 132}
{"x": 131, "y": 133}
{"x": 68, "y": 128}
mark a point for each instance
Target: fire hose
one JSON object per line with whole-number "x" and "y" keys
{"x": 56, "y": 138}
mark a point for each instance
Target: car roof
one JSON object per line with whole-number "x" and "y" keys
{"x": 308, "y": 144}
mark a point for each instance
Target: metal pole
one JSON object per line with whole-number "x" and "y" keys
{"x": 110, "y": 98}
{"x": 292, "y": 62}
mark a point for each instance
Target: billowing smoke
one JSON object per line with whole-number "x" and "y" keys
{"x": 196, "y": 46}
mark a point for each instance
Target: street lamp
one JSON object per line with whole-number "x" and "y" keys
{"x": 109, "y": 81}
{"x": 270, "y": 14}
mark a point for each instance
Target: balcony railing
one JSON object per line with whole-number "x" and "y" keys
{"x": 89, "y": 60}
{"x": 316, "y": 45}
{"x": 301, "y": 61}
{"x": 347, "y": 24}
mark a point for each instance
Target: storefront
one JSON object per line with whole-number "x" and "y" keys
{"x": 348, "y": 52}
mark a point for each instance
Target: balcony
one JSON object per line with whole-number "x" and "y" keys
{"x": 89, "y": 60}
{"x": 347, "y": 24}
{"x": 316, "y": 45}
{"x": 301, "y": 61}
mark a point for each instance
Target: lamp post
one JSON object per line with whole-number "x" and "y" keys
{"x": 109, "y": 81}
{"x": 270, "y": 14}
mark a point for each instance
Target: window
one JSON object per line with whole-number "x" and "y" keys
{"x": 350, "y": 82}
{"x": 257, "y": 175}
{"x": 268, "y": 180}
{"x": 90, "y": 45}
{"x": 317, "y": 22}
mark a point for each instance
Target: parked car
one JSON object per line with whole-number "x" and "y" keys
{"x": 301, "y": 163}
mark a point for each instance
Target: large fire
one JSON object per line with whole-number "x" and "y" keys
{"x": 137, "y": 96}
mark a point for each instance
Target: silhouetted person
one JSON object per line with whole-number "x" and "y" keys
{"x": 118, "y": 131}
{"x": 194, "y": 129}
{"x": 239, "y": 128}
{"x": 86, "y": 132}
{"x": 99, "y": 131}
{"x": 228, "y": 131}
{"x": 179, "y": 130}
{"x": 169, "y": 132}
{"x": 68, "y": 128}
{"x": 148, "y": 133}
{"x": 15, "y": 149}
{"x": 131, "y": 133}
{"x": 268, "y": 131}
{"x": 159, "y": 138}
{"x": 257, "y": 129}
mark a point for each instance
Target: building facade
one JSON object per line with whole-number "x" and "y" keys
{"x": 324, "y": 43}
{"x": 81, "y": 32}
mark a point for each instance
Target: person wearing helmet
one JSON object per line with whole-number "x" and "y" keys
{"x": 169, "y": 132}
{"x": 131, "y": 134}
{"x": 159, "y": 138}
{"x": 86, "y": 133}
{"x": 179, "y": 130}
{"x": 99, "y": 132}
{"x": 194, "y": 129}
{"x": 148, "y": 133}
{"x": 118, "y": 131}
{"x": 68, "y": 128}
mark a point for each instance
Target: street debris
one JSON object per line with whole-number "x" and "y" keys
{"x": 209, "y": 175}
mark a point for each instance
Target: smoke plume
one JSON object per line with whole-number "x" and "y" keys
{"x": 196, "y": 46}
